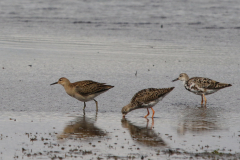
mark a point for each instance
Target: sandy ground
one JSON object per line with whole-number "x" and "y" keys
{"x": 108, "y": 42}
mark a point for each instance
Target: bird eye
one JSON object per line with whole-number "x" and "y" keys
{"x": 60, "y": 79}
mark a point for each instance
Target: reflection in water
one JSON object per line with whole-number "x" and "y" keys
{"x": 143, "y": 135}
{"x": 199, "y": 120}
{"x": 82, "y": 127}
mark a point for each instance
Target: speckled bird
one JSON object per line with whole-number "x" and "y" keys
{"x": 84, "y": 90}
{"x": 201, "y": 86}
{"x": 146, "y": 98}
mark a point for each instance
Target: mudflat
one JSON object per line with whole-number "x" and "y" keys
{"x": 131, "y": 45}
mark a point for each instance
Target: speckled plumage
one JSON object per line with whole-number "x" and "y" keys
{"x": 200, "y": 85}
{"x": 84, "y": 90}
{"x": 146, "y": 98}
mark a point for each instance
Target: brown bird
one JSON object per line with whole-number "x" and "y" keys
{"x": 200, "y": 85}
{"x": 146, "y": 98}
{"x": 83, "y": 90}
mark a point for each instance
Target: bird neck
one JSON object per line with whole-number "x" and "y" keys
{"x": 186, "y": 78}
{"x": 128, "y": 107}
{"x": 68, "y": 88}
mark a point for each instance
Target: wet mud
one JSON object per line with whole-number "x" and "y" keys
{"x": 131, "y": 45}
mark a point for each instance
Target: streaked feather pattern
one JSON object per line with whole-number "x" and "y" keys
{"x": 206, "y": 83}
{"x": 200, "y": 85}
{"x": 146, "y": 96}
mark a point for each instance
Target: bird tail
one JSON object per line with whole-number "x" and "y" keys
{"x": 222, "y": 85}
{"x": 108, "y": 86}
{"x": 170, "y": 89}
{"x": 167, "y": 90}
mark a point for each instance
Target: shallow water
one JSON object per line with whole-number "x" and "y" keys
{"x": 43, "y": 135}
{"x": 109, "y": 41}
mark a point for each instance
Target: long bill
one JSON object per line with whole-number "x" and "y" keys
{"x": 175, "y": 80}
{"x": 54, "y": 83}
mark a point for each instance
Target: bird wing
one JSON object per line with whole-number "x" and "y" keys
{"x": 206, "y": 83}
{"x": 147, "y": 95}
{"x": 89, "y": 87}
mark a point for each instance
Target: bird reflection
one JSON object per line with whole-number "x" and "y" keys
{"x": 143, "y": 135}
{"x": 199, "y": 120}
{"x": 82, "y": 127}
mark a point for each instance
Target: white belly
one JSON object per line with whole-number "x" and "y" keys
{"x": 84, "y": 98}
{"x": 210, "y": 91}
{"x": 200, "y": 91}
{"x": 152, "y": 103}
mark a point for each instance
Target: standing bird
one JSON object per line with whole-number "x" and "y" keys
{"x": 83, "y": 90}
{"x": 200, "y": 85}
{"x": 146, "y": 98}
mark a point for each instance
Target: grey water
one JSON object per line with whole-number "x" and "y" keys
{"x": 109, "y": 41}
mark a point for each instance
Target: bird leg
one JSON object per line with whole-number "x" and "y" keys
{"x": 147, "y": 122}
{"x": 152, "y": 124}
{"x": 96, "y": 116}
{"x": 147, "y": 114}
{"x": 84, "y": 106}
{"x": 96, "y": 104}
{"x": 202, "y": 100}
{"x": 153, "y": 112}
{"x": 205, "y": 99}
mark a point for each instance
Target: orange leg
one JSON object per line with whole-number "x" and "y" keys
{"x": 153, "y": 112}
{"x": 147, "y": 114}
{"x": 202, "y": 100}
{"x": 147, "y": 122}
{"x": 152, "y": 123}
{"x": 205, "y": 99}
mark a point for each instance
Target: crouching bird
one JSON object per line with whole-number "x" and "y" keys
{"x": 146, "y": 98}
